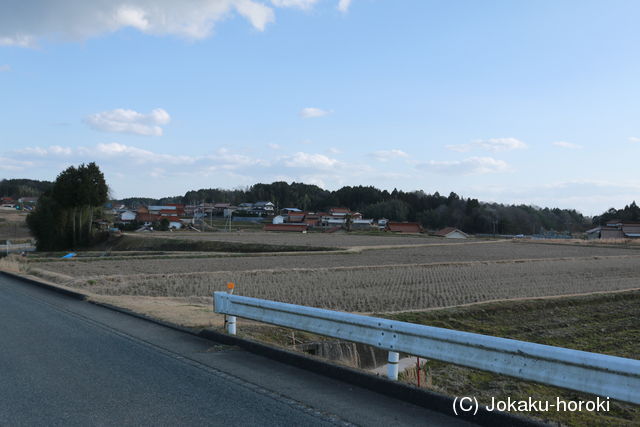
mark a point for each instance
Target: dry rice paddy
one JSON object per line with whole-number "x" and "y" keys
{"x": 339, "y": 239}
{"x": 374, "y": 280}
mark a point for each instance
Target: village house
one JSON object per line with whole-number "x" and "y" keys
{"x": 167, "y": 210}
{"x": 7, "y": 203}
{"x": 263, "y": 208}
{"x": 28, "y": 201}
{"x": 127, "y": 216}
{"x": 360, "y": 224}
{"x": 289, "y": 210}
{"x": 279, "y": 219}
{"x": 451, "y": 233}
{"x": 615, "y": 229}
{"x": 403, "y": 227}
{"x": 224, "y": 209}
{"x": 245, "y": 206}
{"x": 199, "y": 210}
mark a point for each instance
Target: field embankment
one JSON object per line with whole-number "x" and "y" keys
{"x": 154, "y": 243}
{"x": 603, "y": 323}
{"x": 13, "y": 225}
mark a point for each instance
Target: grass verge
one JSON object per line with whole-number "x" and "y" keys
{"x": 130, "y": 243}
{"x": 603, "y": 323}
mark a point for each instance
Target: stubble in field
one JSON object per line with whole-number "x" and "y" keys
{"x": 386, "y": 288}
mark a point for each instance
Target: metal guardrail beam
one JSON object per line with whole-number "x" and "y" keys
{"x": 17, "y": 247}
{"x": 607, "y": 376}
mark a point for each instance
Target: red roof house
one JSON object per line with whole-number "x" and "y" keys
{"x": 286, "y": 227}
{"x": 404, "y": 227}
{"x": 147, "y": 217}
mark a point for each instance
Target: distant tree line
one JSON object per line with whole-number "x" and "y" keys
{"x": 17, "y": 188}
{"x": 63, "y": 217}
{"x": 630, "y": 213}
{"x": 433, "y": 211}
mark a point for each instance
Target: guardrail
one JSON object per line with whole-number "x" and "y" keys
{"x": 607, "y": 376}
{"x": 17, "y": 247}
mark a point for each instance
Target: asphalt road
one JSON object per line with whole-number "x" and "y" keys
{"x": 69, "y": 362}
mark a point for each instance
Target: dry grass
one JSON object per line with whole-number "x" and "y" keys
{"x": 597, "y": 323}
{"x": 371, "y": 257}
{"x": 630, "y": 243}
{"x": 13, "y": 225}
{"x": 383, "y": 288}
{"x": 195, "y": 312}
{"x": 12, "y": 263}
{"x": 308, "y": 239}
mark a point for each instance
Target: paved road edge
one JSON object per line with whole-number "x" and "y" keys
{"x": 404, "y": 392}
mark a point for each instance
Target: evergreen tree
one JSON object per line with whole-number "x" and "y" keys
{"x": 63, "y": 218}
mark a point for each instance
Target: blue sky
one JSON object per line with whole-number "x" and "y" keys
{"x": 515, "y": 102}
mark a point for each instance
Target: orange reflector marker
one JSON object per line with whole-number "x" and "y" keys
{"x": 231, "y": 285}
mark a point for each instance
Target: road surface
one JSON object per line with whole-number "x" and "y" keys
{"x": 69, "y": 362}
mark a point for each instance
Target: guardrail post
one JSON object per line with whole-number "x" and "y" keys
{"x": 231, "y": 325}
{"x": 231, "y": 320}
{"x": 392, "y": 366}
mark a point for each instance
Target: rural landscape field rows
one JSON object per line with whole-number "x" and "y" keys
{"x": 340, "y": 240}
{"x": 441, "y": 253}
{"x": 383, "y": 280}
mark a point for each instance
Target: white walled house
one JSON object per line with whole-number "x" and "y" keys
{"x": 452, "y": 233}
{"x": 175, "y": 224}
{"x": 127, "y": 216}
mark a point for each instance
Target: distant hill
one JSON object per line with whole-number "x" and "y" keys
{"x": 136, "y": 202}
{"x": 16, "y": 188}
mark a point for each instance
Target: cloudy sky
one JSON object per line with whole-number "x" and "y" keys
{"x": 515, "y": 102}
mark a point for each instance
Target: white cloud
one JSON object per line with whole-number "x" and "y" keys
{"x": 492, "y": 144}
{"x": 258, "y": 14}
{"x": 299, "y": 4}
{"x": 226, "y": 159}
{"x": 472, "y": 165}
{"x": 311, "y": 112}
{"x": 79, "y": 19}
{"x": 123, "y": 155}
{"x": 5, "y": 68}
{"x": 137, "y": 155}
{"x": 128, "y": 168}
{"x": 13, "y": 165}
{"x": 333, "y": 150}
{"x": 634, "y": 139}
{"x": 569, "y": 145}
{"x": 343, "y": 5}
{"x": 129, "y": 121}
{"x": 274, "y": 146}
{"x": 157, "y": 173}
{"x": 18, "y": 40}
{"x": 386, "y": 155}
{"x": 309, "y": 160}
{"x": 53, "y": 150}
